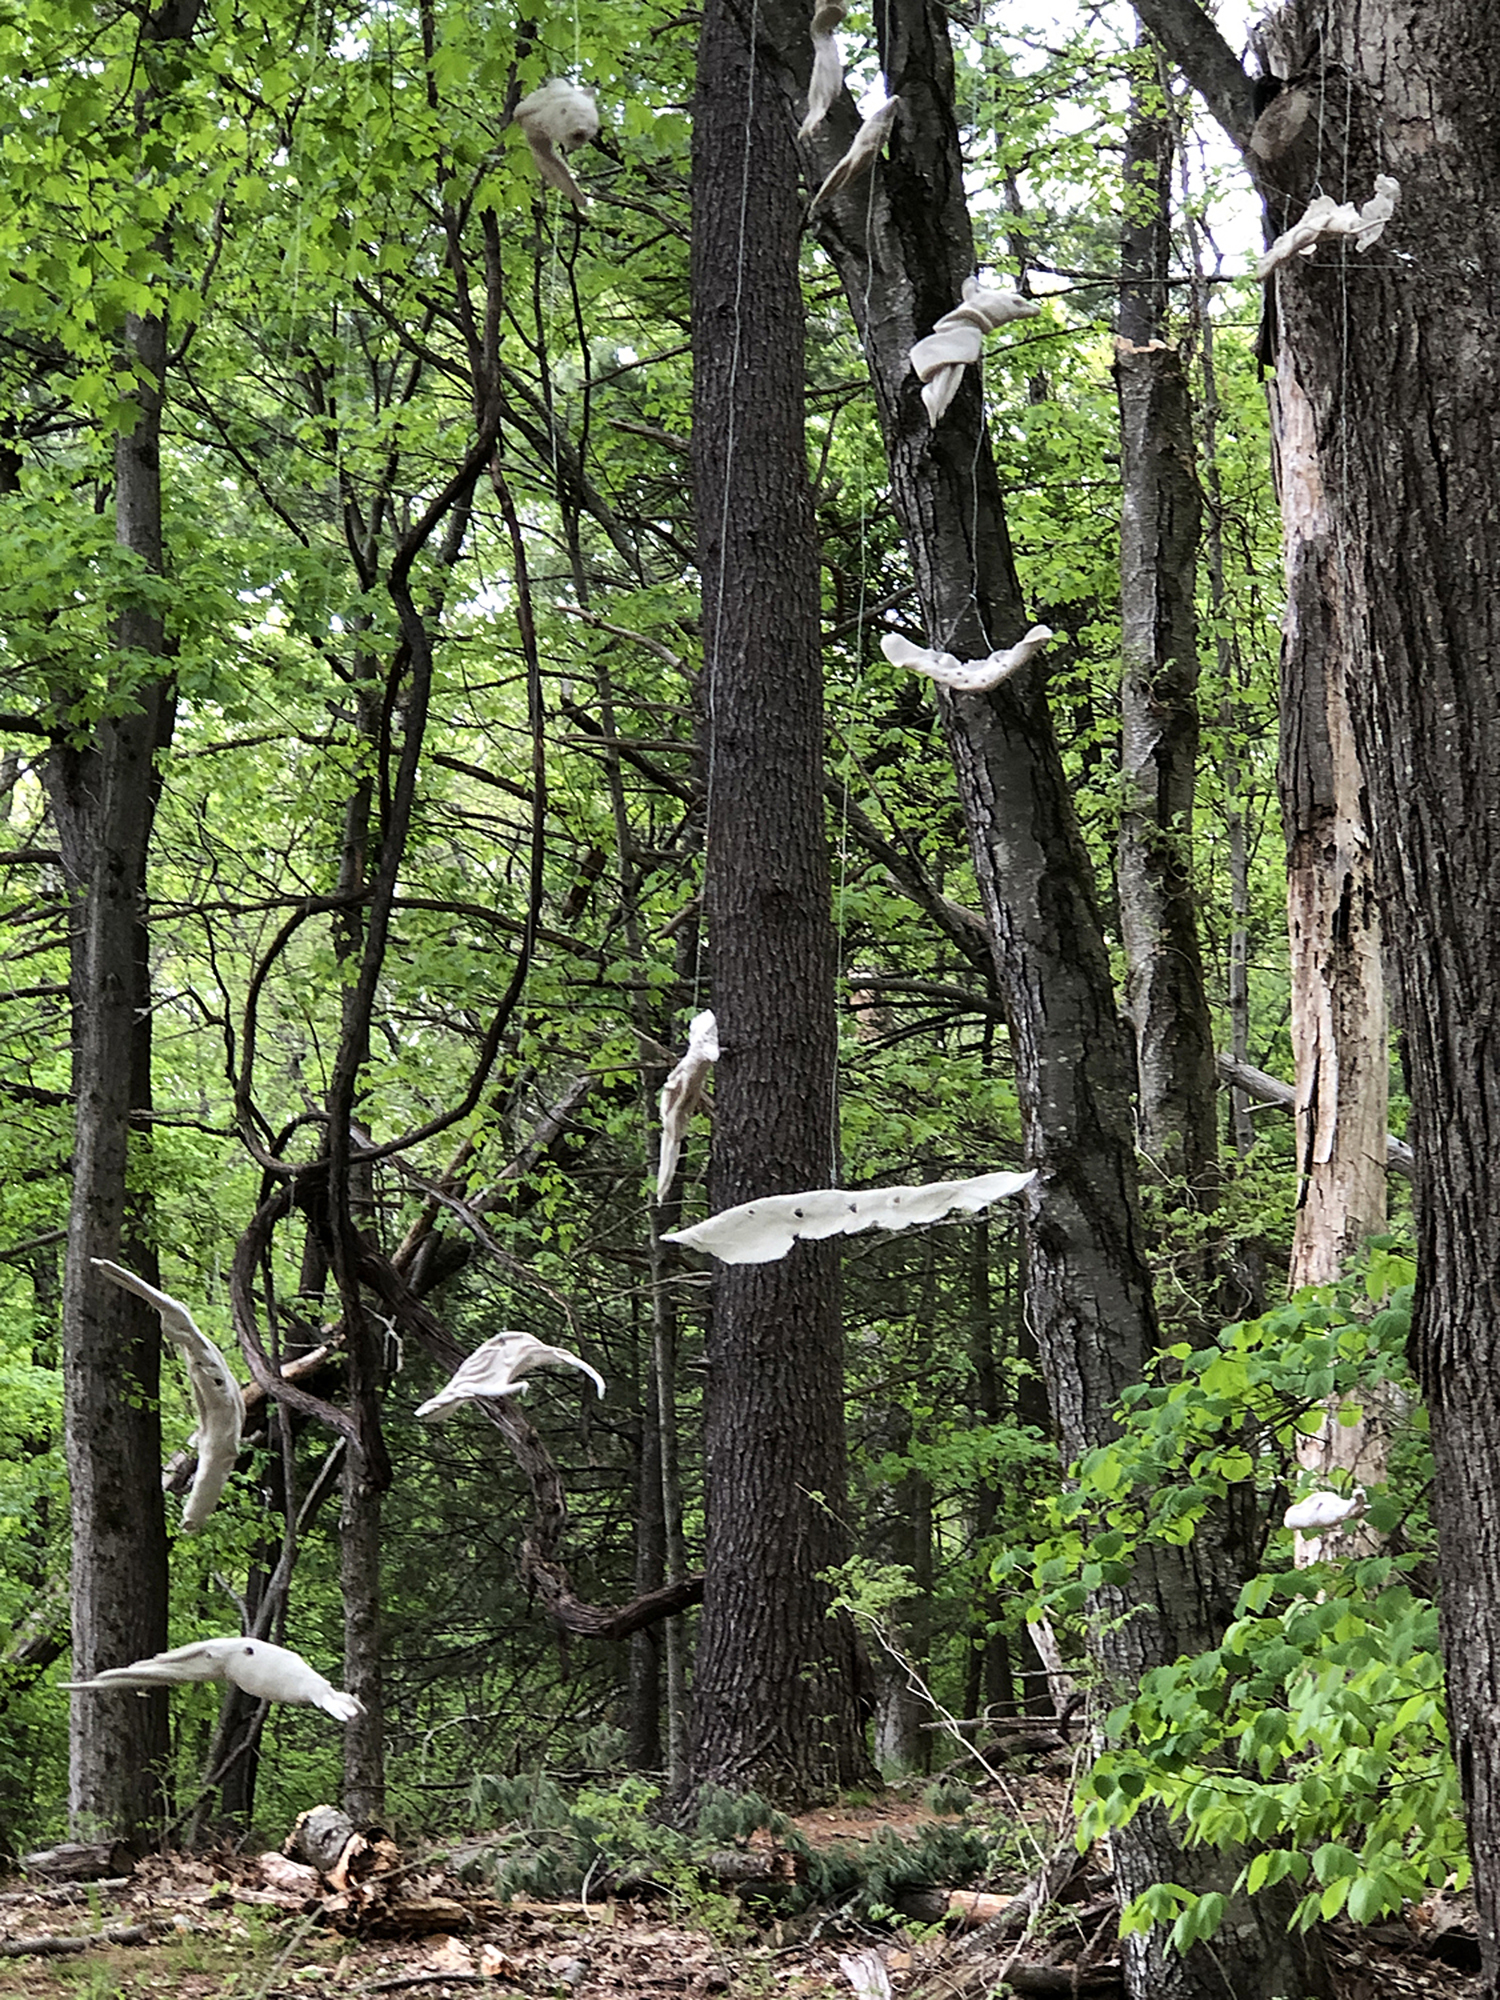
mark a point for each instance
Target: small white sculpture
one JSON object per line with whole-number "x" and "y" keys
{"x": 966, "y": 676}
{"x": 958, "y": 340}
{"x": 682, "y": 1093}
{"x": 864, "y": 152}
{"x": 758, "y": 1232}
{"x": 495, "y": 1370}
{"x": 217, "y": 1401}
{"x": 270, "y": 1673}
{"x": 1323, "y": 1510}
{"x": 828, "y": 67}
{"x": 1326, "y": 218}
{"x": 555, "y": 117}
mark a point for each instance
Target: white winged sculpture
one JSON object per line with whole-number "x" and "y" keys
{"x": 864, "y": 150}
{"x": 555, "y": 117}
{"x": 682, "y": 1093}
{"x": 217, "y": 1401}
{"x": 1323, "y": 1510}
{"x": 965, "y": 676}
{"x": 270, "y": 1673}
{"x": 758, "y": 1232}
{"x": 496, "y": 1368}
{"x": 1324, "y": 220}
{"x": 827, "y": 78}
{"x": 957, "y": 341}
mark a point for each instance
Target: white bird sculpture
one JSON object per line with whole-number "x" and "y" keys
{"x": 218, "y": 1402}
{"x": 1325, "y": 219}
{"x": 758, "y": 1232}
{"x": 965, "y": 676}
{"x": 863, "y": 152}
{"x": 958, "y": 340}
{"x": 682, "y": 1093}
{"x": 828, "y": 68}
{"x": 495, "y": 1370}
{"x": 555, "y": 117}
{"x": 270, "y": 1673}
{"x": 1323, "y": 1510}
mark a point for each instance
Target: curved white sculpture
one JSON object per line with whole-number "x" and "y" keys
{"x": 965, "y": 676}
{"x": 555, "y": 117}
{"x": 758, "y": 1232}
{"x": 682, "y": 1093}
{"x": 957, "y": 341}
{"x": 218, "y": 1403}
{"x": 269, "y": 1673}
{"x": 495, "y": 1369}
{"x": 863, "y": 153}
{"x": 1326, "y": 219}
{"x": 1323, "y": 1510}
{"x": 827, "y": 77}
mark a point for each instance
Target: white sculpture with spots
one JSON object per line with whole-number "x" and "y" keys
{"x": 556, "y": 117}
{"x": 269, "y": 1673}
{"x": 965, "y": 676}
{"x": 758, "y": 1232}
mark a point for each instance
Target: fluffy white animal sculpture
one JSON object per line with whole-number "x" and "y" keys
{"x": 1323, "y": 1510}
{"x": 682, "y": 1093}
{"x": 217, "y": 1402}
{"x": 864, "y": 152}
{"x": 966, "y": 676}
{"x": 958, "y": 340}
{"x": 495, "y": 1369}
{"x": 1326, "y": 218}
{"x": 828, "y": 66}
{"x": 270, "y": 1673}
{"x": 556, "y": 117}
{"x": 758, "y": 1232}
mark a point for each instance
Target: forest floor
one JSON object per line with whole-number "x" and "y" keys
{"x": 217, "y": 1928}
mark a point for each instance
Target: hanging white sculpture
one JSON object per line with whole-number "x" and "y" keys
{"x": 958, "y": 340}
{"x": 1326, "y": 219}
{"x": 758, "y": 1232}
{"x": 863, "y": 153}
{"x": 1323, "y": 1510}
{"x": 827, "y": 77}
{"x": 218, "y": 1403}
{"x": 965, "y": 676}
{"x": 495, "y": 1369}
{"x": 556, "y": 117}
{"x": 269, "y": 1673}
{"x": 682, "y": 1093}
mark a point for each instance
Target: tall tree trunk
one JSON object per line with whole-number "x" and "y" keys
{"x": 775, "y": 1702}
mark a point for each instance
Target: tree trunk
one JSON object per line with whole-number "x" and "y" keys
{"x": 775, "y": 1704}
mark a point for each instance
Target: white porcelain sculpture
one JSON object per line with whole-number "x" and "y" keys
{"x": 556, "y": 117}
{"x": 1326, "y": 219}
{"x": 496, "y": 1368}
{"x": 758, "y": 1232}
{"x": 218, "y": 1403}
{"x": 270, "y": 1673}
{"x": 957, "y": 341}
{"x": 682, "y": 1093}
{"x": 863, "y": 153}
{"x": 965, "y": 676}
{"x": 827, "y": 77}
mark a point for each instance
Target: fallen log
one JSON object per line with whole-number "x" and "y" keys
{"x": 56, "y": 1947}
{"x": 80, "y": 1861}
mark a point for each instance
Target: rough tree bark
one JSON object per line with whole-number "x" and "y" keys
{"x": 775, "y": 1697}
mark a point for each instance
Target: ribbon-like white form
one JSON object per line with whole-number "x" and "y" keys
{"x": 217, "y": 1402}
{"x": 1323, "y": 1510}
{"x": 682, "y": 1093}
{"x": 557, "y": 116}
{"x": 270, "y": 1673}
{"x": 827, "y": 77}
{"x": 964, "y": 676}
{"x": 1326, "y": 219}
{"x": 758, "y": 1232}
{"x": 958, "y": 340}
{"x": 495, "y": 1369}
{"x": 864, "y": 152}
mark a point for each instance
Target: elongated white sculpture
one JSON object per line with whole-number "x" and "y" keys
{"x": 1326, "y": 219}
{"x": 495, "y": 1369}
{"x": 682, "y": 1093}
{"x": 555, "y": 117}
{"x": 270, "y": 1673}
{"x": 758, "y": 1232}
{"x": 1323, "y": 1510}
{"x": 863, "y": 153}
{"x": 218, "y": 1403}
{"x": 957, "y": 341}
{"x": 827, "y": 76}
{"x": 966, "y": 676}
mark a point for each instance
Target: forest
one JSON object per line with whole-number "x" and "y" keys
{"x": 607, "y": 618}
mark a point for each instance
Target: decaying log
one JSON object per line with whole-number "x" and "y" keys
{"x": 57, "y": 1947}
{"x": 965, "y": 1909}
{"x": 319, "y": 1837}
{"x": 80, "y": 1861}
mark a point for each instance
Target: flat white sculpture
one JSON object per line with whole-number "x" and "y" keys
{"x": 495, "y": 1369}
{"x": 682, "y": 1093}
{"x": 966, "y": 676}
{"x": 863, "y": 153}
{"x": 1326, "y": 219}
{"x": 957, "y": 341}
{"x": 270, "y": 1673}
{"x": 555, "y": 117}
{"x": 217, "y": 1401}
{"x": 758, "y": 1232}
{"x": 827, "y": 77}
